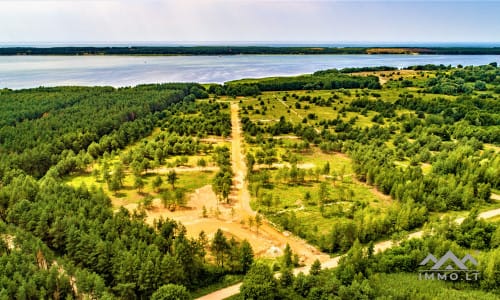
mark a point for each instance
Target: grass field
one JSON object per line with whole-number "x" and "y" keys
{"x": 346, "y": 194}
{"x": 188, "y": 181}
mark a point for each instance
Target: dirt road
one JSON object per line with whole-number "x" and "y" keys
{"x": 241, "y": 195}
{"x": 204, "y": 212}
{"x": 333, "y": 262}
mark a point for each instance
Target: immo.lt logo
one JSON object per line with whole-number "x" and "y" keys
{"x": 449, "y": 267}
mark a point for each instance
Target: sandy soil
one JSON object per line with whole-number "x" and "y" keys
{"x": 233, "y": 217}
{"x": 387, "y": 74}
{"x": 241, "y": 197}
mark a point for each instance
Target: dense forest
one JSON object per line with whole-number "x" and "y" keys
{"x": 327, "y": 79}
{"x": 236, "y": 50}
{"x": 61, "y": 242}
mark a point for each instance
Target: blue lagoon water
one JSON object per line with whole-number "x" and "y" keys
{"x": 18, "y": 72}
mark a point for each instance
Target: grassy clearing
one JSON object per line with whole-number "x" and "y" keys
{"x": 270, "y": 106}
{"x": 345, "y": 193}
{"x": 408, "y": 286}
{"x": 190, "y": 177}
{"x": 188, "y": 181}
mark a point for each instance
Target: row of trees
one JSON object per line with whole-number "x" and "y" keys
{"x": 223, "y": 180}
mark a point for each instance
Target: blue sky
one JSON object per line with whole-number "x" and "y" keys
{"x": 249, "y": 20}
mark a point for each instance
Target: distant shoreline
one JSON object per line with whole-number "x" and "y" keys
{"x": 242, "y": 50}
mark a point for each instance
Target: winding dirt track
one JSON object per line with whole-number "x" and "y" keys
{"x": 333, "y": 262}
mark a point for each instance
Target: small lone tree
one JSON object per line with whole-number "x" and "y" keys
{"x": 180, "y": 197}
{"x": 172, "y": 178}
{"x": 156, "y": 183}
{"x": 315, "y": 268}
{"x": 258, "y": 222}
{"x": 138, "y": 183}
{"x": 250, "y": 222}
{"x": 167, "y": 199}
{"x": 287, "y": 257}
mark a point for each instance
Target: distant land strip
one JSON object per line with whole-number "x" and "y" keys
{"x": 238, "y": 50}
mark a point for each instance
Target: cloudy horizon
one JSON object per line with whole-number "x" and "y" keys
{"x": 225, "y": 21}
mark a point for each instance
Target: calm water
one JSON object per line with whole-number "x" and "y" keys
{"x": 32, "y": 71}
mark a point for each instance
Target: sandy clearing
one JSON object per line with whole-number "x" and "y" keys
{"x": 215, "y": 140}
{"x": 164, "y": 170}
{"x": 231, "y": 217}
{"x": 286, "y": 164}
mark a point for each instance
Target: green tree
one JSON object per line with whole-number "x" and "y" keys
{"x": 201, "y": 163}
{"x": 118, "y": 173}
{"x": 167, "y": 199}
{"x": 259, "y": 283}
{"x": 250, "y": 161}
{"x": 171, "y": 292}
{"x": 180, "y": 197}
{"x": 315, "y": 268}
{"x": 219, "y": 247}
{"x": 156, "y": 183}
{"x": 286, "y": 259}
{"x": 148, "y": 202}
{"x": 307, "y": 197}
{"x": 251, "y": 221}
{"x": 172, "y": 178}
{"x": 286, "y": 277}
{"x": 258, "y": 222}
{"x": 326, "y": 168}
{"x": 246, "y": 256}
{"x": 138, "y": 183}
{"x": 323, "y": 193}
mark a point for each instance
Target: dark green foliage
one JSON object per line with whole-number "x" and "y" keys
{"x": 219, "y": 247}
{"x": 171, "y": 292}
{"x": 235, "y": 50}
{"x": 368, "y": 69}
{"x": 447, "y": 133}
{"x": 246, "y": 256}
{"x": 40, "y": 127}
{"x": 259, "y": 283}
{"x": 51, "y": 132}
{"x": 197, "y": 119}
{"x": 123, "y": 251}
{"x": 315, "y": 268}
{"x": 458, "y": 81}
{"x": 224, "y": 178}
{"x": 30, "y": 271}
{"x": 472, "y": 232}
{"x": 329, "y": 79}
{"x": 390, "y": 274}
